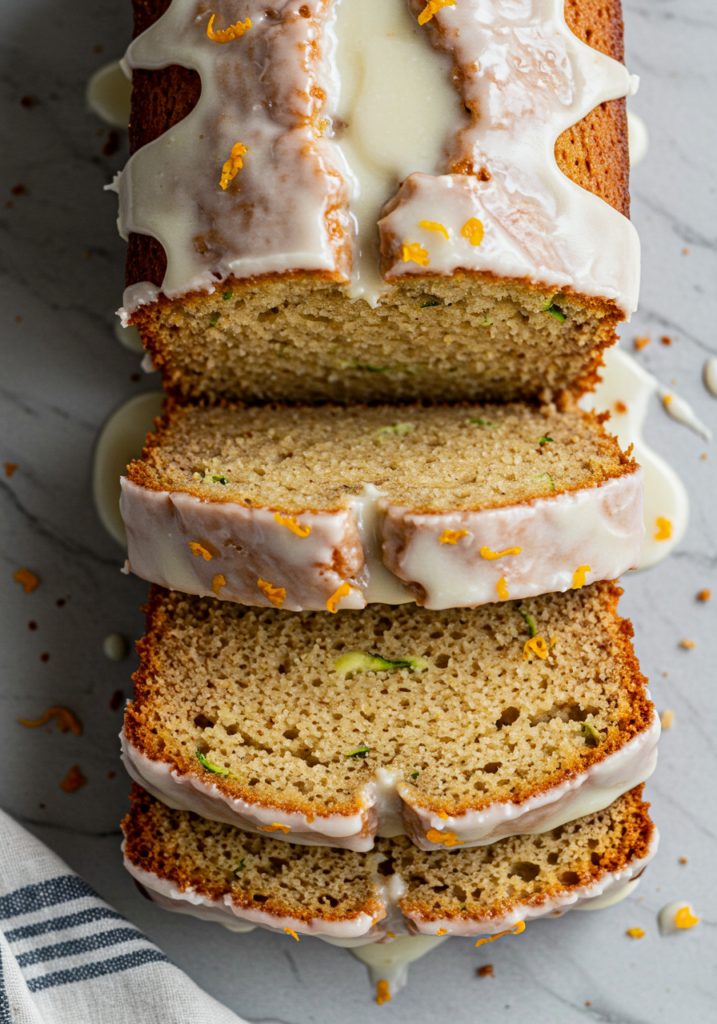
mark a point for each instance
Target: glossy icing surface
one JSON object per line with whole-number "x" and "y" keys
{"x": 388, "y": 807}
{"x": 387, "y": 552}
{"x": 321, "y": 101}
{"x": 625, "y": 393}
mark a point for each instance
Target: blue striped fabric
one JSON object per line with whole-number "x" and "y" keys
{"x": 66, "y": 957}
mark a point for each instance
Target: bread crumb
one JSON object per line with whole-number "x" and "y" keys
{"x": 486, "y": 971}
{"x": 73, "y": 781}
{"x": 116, "y": 700}
{"x": 635, "y": 933}
{"x": 666, "y": 719}
{"x": 666, "y": 339}
{"x": 704, "y": 595}
{"x": 111, "y": 775}
{"x": 687, "y": 644}
{"x": 10, "y": 468}
{"x": 45, "y": 656}
{"x": 28, "y": 580}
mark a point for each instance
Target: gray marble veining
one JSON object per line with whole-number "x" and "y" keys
{"x": 61, "y": 274}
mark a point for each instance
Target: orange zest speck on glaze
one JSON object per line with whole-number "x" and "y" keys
{"x": 227, "y": 35}
{"x": 536, "y": 644}
{"x": 414, "y": 251}
{"x": 233, "y": 164}
{"x": 518, "y": 929}
{"x": 343, "y": 591}
{"x": 579, "y": 576}
{"x": 442, "y": 931}
{"x": 28, "y": 580}
{"x": 641, "y": 342}
{"x": 290, "y": 931}
{"x": 383, "y": 993}
{"x": 390, "y": 935}
{"x": 664, "y": 528}
{"x": 217, "y": 583}
{"x": 433, "y": 225}
{"x": 443, "y": 838}
{"x": 442, "y": 815}
{"x": 473, "y": 231}
{"x": 502, "y": 589}
{"x": 197, "y": 550}
{"x": 452, "y": 536}
{"x": 291, "y": 524}
{"x": 684, "y": 918}
{"x": 276, "y": 827}
{"x": 492, "y": 555}
{"x": 66, "y": 720}
{"x": 277, "y": 595}
{"x": 635, "y": 933}
{"x": 433, "y": 7}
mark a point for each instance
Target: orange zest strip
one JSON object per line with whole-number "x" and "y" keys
{"x": 28, "y": 580}
{"x": 433, "y": 225}
{"x": 579, "y": 576}
{"x": 443, "y": 838}
{"x": 684, "y": 918}
{"x": 635, "y": 933}
{"x": 433, "y": 7}
{"x": 343, "y": 591}
{"x": 487, "y": 553}
{"x": 217, "y": 583}
{"x": 232, "y": 165}
{"x": 536, "y": 644}
{"x": 73, "y": 781}
{"x": 291, "y": 524}
{"x": 473, "y": 231}
{"x": 664, "y": 530}
{"x": 517, "y": 930}
{"x": 383, "y": 993}
{"x": 276, "y": 828}
{"x": 277, "y": 595}
{"x": 414, "y": 251}
{"x": 452, "y": 536}
{"x": 66, "y": 720}
{"x": 502, "y": 589}
{"x": 227, "y": 35}
{"x": 197, "y": 549}
{"x": 290, "y": 931}
{"x": 443, "y": 815}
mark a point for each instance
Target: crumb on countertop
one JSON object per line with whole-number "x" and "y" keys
{"x": 27, "y": 579}
{"x": 667, "y": 718}
{"x": 73, "y": 781}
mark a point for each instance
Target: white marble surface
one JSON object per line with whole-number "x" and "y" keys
{"x": 63, "y": 373}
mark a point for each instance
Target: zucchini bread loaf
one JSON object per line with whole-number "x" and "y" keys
{"x": 217, "y": 872}
{"x": 456, "y": 728}
{"x": 374, "y": 200}
{"x": 331, "y": 507}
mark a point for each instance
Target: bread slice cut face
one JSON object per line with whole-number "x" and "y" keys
{"x": 455, "y": 728}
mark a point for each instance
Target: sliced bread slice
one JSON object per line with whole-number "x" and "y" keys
{"x": 214, "y": 871}
{"x": 455, "y": 727}
{"x": 331, "y": 507}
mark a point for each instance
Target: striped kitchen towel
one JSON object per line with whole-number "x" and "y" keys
{"x": 66, "y": 957}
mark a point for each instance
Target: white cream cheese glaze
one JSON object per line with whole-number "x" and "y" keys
{"x": 285, "y": 89}
{"x": 389, "y": 807}
{"x": 109, "y": 94}
{"x": 374, "y": 546}
{"x": 625, "y": 392}
{"x": 363, "y": 929}
{"x": 638, "y": 138}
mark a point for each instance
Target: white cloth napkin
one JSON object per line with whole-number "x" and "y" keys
{"x": 66, "y": 957}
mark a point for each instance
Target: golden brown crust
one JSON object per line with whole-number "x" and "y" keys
{"x": 593, "y": 153}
